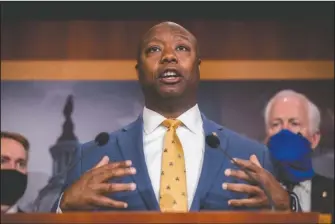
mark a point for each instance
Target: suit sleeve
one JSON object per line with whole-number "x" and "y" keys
{"x": 72, "y": 175}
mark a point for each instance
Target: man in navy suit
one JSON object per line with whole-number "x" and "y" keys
{"x": 125, "y": 173}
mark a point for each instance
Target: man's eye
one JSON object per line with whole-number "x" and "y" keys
{"x": 274, "y": 125}
{"x": 182, "y": 48}
{"x": 152, "y": 49}
{"x": 22, "y": 164}
{"x": 3, "y": 160}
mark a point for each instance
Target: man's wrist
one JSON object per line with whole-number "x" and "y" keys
{"x": 63, "y": 205}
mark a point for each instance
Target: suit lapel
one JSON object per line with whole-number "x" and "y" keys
{"x": 321, "y": 200}
{"x": 315, "y": 195}
{"x": 212, "y": 163}
{"x": 131, "y": 144}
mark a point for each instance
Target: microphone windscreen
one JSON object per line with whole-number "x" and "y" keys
{"x": 102, "y": 138}
{"x": 212, "y": 140}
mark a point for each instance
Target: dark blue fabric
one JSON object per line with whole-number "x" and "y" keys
{"x": 291, "y": 154}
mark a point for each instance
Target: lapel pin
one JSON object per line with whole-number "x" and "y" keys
{"x": 214, "y": 133}
{"x": 324, "y": 194}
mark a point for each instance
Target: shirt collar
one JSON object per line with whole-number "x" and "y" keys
{"x": 191, "y": 119}
{"x": 305, "y": 185}
{"x": 13, "y": 209}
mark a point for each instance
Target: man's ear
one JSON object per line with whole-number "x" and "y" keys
{"x": 199, "y": 62}
{"x": 316, "y": 137}
{"x": 137, "y": 67}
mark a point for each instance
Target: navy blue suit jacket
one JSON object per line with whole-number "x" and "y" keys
{"x": 127, "y": 144}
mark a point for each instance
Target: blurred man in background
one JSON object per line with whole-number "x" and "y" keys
{"x": 292, "y": 128}
{"x": 14, "y": 156}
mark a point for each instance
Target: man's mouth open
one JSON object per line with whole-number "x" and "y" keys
{"x": 170, "y": 77}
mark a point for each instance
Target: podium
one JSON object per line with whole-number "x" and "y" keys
{"x": 155, "y": 217}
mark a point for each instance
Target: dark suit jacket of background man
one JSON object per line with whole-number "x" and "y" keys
{"x": 322, "y": 199}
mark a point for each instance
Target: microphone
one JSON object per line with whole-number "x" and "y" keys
{"x": 214, "y": 142}
{"x": 100, "y": 140}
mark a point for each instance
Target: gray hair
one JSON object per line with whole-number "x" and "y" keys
{"x": 312, "y": 110}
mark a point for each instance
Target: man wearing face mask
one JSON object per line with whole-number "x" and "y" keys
{"x": 14, "y": 155}
{"x": 292, "y": 128}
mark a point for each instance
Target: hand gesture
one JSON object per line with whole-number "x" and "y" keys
{"x": 257, "y": 196}
{"x": 89, "y": 191}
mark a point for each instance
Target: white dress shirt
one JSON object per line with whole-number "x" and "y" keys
{"x": 13, "y": 209}
{"x": 303, "y": 191}
{"x": 191, "y": 135}
{"x": 192, "y": 138}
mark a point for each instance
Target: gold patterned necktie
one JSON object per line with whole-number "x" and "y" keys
{"x": 173, "y": 190}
